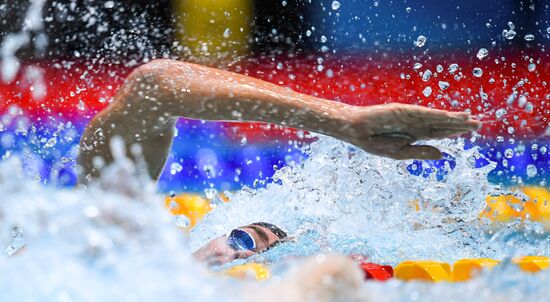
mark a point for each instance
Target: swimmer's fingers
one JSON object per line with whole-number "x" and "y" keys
{"x": 442, "y": 116}
{"x": 418, "y": 152}
{"x": 469, "y": 124}
{"x": 441, "y": 133}
{"x": 444, "y": 133}
{"x": 398, "y": 146}
{"x": 430, "y": 113}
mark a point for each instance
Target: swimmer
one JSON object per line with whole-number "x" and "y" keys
{"x": 241, "y": 243}
{"x": 145, "y": 109}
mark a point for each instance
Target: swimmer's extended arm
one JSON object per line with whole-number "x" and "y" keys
{"x": 144, "y": 111}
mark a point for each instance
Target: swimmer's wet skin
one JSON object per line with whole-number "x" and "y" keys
{"x": 146, "y": 107}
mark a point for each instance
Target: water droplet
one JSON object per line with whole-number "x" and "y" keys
{"x": 236, "y": 114}
{"x": 420, "y": 41}
{"x": 531, "y": 67}
{"x": 453, "y": 68}
{"x": 426, "y": 75}
{"x": 531, "y": 170}
{"x": 51, "y": 142}
{"x": 522, "y": 100}
{"x": 439, "y": 68}
{"x": 329, "y": 73}
{"x": 548, "y": 30}
{"x": 417, "y": 66}
{"x": 175, "y": 168}
{"x": 444, "y": 85}
{"x": 109, "y": 4}
{"x": 478, "y": 72}
{"x": 508, "y": 153}
{"x": 408, "y": 9}
{"x": 529, "y": 107}
{"x": 508, "y": 34}
{"x": 210, "y": 193}
{"x": 17, "y": 241}
{"x": 427, "y": 91}
{"x": 482, "y": 53}
{"x": 529, "y": 37}
{"x": 511, "y": 130}
{"x": 335, "y": 5}
{"x": 226, "y": 33}
{"x": 511, "y": 98}
{"x": 182, "y": 221}
{"x": 500, "y": 113}
{"x": 511, "y": 25}
{"x": 81, "y": 106}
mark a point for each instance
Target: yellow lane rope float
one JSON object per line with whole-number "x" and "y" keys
{"x": 212, "y": 31}
{"x": 509, "y": 207}
{"x": 193, "y": 206}
{"x": 466, "y": 269}
{"x": 248, "y": 271}
{"x": 462, "y": 270}
{"x": 532, "y": 264}
{"x": 425, "y": 270}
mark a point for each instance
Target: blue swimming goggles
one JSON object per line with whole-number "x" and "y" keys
{"x": 241, "y": 240}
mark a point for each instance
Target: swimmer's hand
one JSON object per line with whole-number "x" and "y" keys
{"x": 390, "y": 130}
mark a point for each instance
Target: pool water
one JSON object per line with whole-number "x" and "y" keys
{"x": 94, "y": 245}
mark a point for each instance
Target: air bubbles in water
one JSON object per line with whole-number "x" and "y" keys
{"x": 335, "y": 5}
{"x": 478, "y": 72}
{"x": 482, "y": 53}
{"x": 420, "y": 41}
{"x": 531, "y": 67}
{"x": 439, "y": 68}
{"x": 529, "y": 37}
{"x": 417, "y": 66}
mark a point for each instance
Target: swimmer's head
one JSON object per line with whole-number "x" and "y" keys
{"x": 241, "y": 243}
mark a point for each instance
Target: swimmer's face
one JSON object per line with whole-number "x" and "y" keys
{"x": 218, "y": 251}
